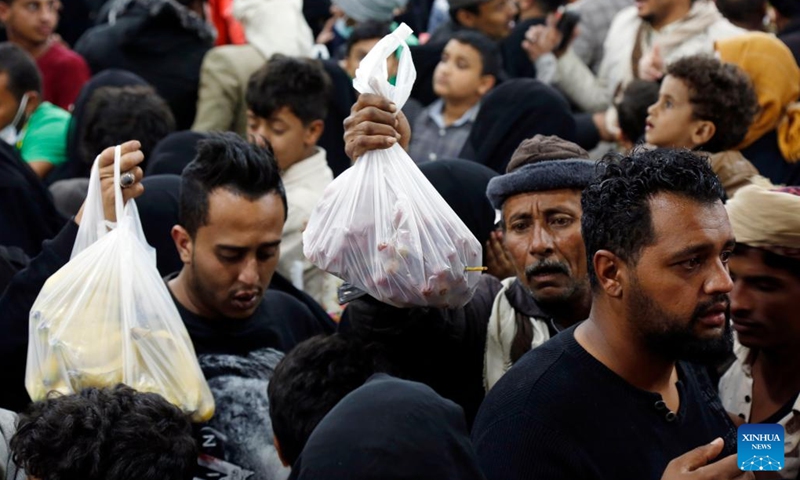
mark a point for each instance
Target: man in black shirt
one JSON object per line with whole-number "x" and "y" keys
{"x": 614, "y": 397}
{"x": 232, "y": 209}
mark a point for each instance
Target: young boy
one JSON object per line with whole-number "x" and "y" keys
{"x": 287, "y": 100}
{"x": 706, "y": 105}
{"x": 466, "y": 72}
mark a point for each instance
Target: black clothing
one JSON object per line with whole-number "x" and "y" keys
{"x": 76, "y": 165}
{"x": 512, "y": 112}
{"x": 389, "y": 429}
{"x": 790, "y": 35}
{"x": 560, "y": 413}
{"x": 766, "y": 156}
{"x": 27, "y": 214}
{"x": 516, "y": 62}
{"x": 443, "y": 349}
{"x": 158, "y": 212}
{"x": 342, "y": 97}
{"x": 12, "y": 260}
{"x": 173, "y": 152}
{"x": 159, "y": 42}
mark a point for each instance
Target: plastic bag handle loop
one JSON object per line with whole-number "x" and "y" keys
{"x": 118, "y": 206}
{"x": 372, "y": 73}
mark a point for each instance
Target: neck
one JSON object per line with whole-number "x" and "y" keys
{"x": 455, "y": 109}
{"x": 34, "y": 49}
{"x": 567, "y": 314}
{"x": 779, "y": 368}
{"x": 181, "y": 289}
{"x": 673, "y": 16}
{"x": 608, "y": 338}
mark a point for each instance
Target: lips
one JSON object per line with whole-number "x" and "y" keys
{"x": 745, "y": 326}
{"x": 715, "y": 316}
{"x": 245, "y": 300}
{"x": 648, "y": 125}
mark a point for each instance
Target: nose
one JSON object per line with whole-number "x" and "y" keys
{"x": 541, "y": 242}
{"x": 741, "y": 303}
{"x": 652, "y": 108}
{"x": 719, "y": 282}
{"x": 249, "y": 273}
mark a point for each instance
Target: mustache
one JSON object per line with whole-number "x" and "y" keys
{"x": 703, "y": 308}
{"x": 545, "y": 267}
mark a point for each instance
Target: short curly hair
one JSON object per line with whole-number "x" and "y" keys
{"x": 721, "y": 93}
{"x": 616, "y": 205}
{"x": 105, "y": 434}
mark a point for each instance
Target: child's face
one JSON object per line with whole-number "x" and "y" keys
{"x": 291, "y": 141}
{"x": 670, "y": 121}
{"x": 459, "y": 74}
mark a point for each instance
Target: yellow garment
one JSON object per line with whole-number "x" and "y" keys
{"x": 764, "y": 218}
{"x": 776, "y": 78}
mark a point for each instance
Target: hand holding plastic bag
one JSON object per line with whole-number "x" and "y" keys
{"x": 106, "y": 316}
{"x": 381, "y": 225}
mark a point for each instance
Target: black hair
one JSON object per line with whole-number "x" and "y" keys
{"x": 115, "y": 115}
{"x": 721, "y": 93}
{"x": 226, "y": 160}
{"x": 743, "y": 12}
{"x": 20, "y": 69}
{"x": 488, "y": 50}
{"x": 787, "y": 8}
{"x": 474, "y": 8}
{"x": 301, "y": 84}
{"x": 616, "y": 208}
{"x": 637, "y": 97}
{"x": 310, "y": 381}
{"x": 105, "y": 434}
{"x": 369, "y": 30}
{"x": 771, "y": 259}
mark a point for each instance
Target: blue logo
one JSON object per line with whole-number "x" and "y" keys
{"x": 760, "y": 447}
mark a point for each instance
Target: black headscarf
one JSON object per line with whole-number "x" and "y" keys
{"x": 510, "y": 113}
{"x": 75, "y": 166}
{"x": 390, "y": 429}
{"x": 173, "y": 153}
{"x": 463, "y": 185}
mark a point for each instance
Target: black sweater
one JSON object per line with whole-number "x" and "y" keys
{"x": 559, "y": 413}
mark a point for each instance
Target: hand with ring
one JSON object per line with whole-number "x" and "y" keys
{"x": 130, "y": 180}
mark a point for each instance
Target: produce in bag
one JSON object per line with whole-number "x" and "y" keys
{"x": 106, "y": 316}
{"x": 381, "y": 225}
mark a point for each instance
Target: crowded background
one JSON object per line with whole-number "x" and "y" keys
{"x": 630, "y": 170}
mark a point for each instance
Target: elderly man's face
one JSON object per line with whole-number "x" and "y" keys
{"x": 543, "y": 235}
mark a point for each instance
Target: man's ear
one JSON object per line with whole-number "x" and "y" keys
{"x": 278, "y": 449}
{"x": 466, "y": 18}
{"x": 313, "y": 132}
{"x": 610, "y": 271}
{"x": 703, "y": 131}
{"x": 183, "y": 243}
{"x": 486, "y": 84}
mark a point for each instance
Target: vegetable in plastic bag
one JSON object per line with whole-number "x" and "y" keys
{"x": 381, "y": 225}
{"x": 106, "y": 317}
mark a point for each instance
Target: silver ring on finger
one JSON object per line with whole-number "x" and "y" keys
{"x": 127, "y": 179}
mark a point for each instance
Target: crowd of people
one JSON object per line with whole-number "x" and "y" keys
{"x": 631, "y": 170}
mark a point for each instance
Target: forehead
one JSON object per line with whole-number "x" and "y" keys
{"x": 234, "y": 218}
{"x": 566, "y": 199}
{"x": 674, "y": 87}
{"x": 456, "y": 48}
{"x": 679, "y": 223}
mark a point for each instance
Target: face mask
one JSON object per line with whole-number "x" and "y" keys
{"x": 342, "y": 28}
{"x": 10, "y": 133}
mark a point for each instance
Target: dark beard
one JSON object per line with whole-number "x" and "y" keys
{"x": 572, "y": 290}
{"x": 669, "y": 338}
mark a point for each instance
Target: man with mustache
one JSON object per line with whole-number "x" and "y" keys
{"x": 616, "y": 396}
{"x": 762, "y": 385}
{"x": 540, "y": 200}
{"x": 461, "y": 352}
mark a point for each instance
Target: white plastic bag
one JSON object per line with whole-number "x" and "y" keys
{"x": 381, "y": 225}
{"x": 106, "y": 316}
